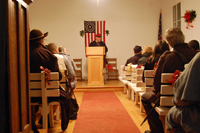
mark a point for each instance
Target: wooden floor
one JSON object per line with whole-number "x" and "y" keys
{"x": 112, "y": 85}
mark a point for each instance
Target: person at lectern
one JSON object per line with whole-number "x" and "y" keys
{"x": 99, "y": 43}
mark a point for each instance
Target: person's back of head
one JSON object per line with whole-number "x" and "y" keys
{"x": 52, "y": 47}
{"x": 194, "y": 44}
{"x": 137, "y": 49}
{"x": 160, "y": 47}
{"x": 174, "y": 36}
{"x": 36, "y": 36}
{"x": 147, "y": 49}
{"x": 62, "y": 49}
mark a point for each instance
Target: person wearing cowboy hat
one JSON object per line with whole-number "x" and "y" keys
{"x": 40, "y": 56}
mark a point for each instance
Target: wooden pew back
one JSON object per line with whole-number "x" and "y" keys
{"x": 40, "y": 88}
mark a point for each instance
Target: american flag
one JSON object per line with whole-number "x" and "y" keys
{"x": 160, "y": 27}
{"x": 91, "y": 28}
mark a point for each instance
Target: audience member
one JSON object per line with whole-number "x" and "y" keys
{"x": 71, "y": 66}
{"x": 63, "y": 52}
{"x": 52, "y": 47}
{"x": 168, "y": 63}
{"x": 147, "y": 51}
{"x": 184, "y": 117}
{"x": 40, "y": 56}
{"x": 159, "y": 49}
{"x": 137, "y": 54}
{"x": 194, "y": 44}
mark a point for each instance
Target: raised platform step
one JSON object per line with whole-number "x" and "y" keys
{"x": 110, "y": 85}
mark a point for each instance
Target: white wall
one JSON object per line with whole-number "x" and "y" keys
{"x": 130, "y": 22}
{"x": 191, "y": 33}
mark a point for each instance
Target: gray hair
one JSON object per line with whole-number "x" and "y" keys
{"x": 61, "y": 48}
{"x": 174, "y": 36}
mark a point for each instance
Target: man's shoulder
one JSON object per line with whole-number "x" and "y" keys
{"x": 132, "y": 57}
{"x": 93, "y": 43}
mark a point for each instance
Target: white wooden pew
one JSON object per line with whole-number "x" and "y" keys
{"x": 166, "y": 102}
{"x": 40, "y": 88}
{"x": 138, "y": 86}
{"x": 148, "y": 74}
{"x": 166, "y": 93}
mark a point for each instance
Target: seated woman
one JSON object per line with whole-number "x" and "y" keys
{"x": 159, "y": 49}
{"x": 147, "y": 51}
{"x": 185, "y": 115}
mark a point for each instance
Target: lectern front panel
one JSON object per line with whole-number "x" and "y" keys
{"x": 95, "y": 67}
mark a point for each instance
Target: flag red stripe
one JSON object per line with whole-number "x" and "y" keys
{"x": 104, "y": 23}
{"x": 97, "y": 27}
{"x": 85, "y": 42}
{"x": 88, "y": 39}
{"x": 101, "y": 27}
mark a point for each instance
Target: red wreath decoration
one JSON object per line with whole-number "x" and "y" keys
{"x": 174, "y": 77}
{"x": 47, "y": 74}
{"x": 189, "y": 16}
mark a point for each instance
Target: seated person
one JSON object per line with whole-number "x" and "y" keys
{"x": 169, "y": 62}
{"x": 52, "y": 47}
{"x": 40, "y": 56}
{"x": 71, "y": 67}
{"x": 184, "y": 117}
{"x": 159, "y": 49}
{"x": 147, "y": 51}
{"x": 63, "y": 52}
{"x": 137, "y": 54}
{"x": 194, "y": 44}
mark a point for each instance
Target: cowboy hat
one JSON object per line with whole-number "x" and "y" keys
{"x": 37, "y": 34}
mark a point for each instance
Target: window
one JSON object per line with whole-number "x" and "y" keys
{"x": 177, "y": 15}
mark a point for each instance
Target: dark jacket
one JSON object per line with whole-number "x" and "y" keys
{"x": 94, "y": 44}
{"x": 171, "y": 61}
{"x": 40, "y": 56}
{"x": 143, "y": 59}
{"x": 134, "y": 59}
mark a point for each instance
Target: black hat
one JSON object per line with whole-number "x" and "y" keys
{"x": 137, "y": 49}
{"x": 37, "y": 34}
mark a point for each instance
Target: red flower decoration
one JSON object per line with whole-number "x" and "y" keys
{"x": 174, "y": 77}
{"x": 47, "y": 74}
{"x": 189, "y": 16}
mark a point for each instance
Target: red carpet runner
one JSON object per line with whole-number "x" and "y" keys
{"x": 102, "y": 112}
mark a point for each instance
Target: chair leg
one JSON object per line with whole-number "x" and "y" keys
{"x": 132, "y": 95}
{"x": 125, "y": 89}
{"x": 58, "y": 113}
{"x": 141, "y": 106}
{"x": 45, "y": 121}
{"x": 51, "y": 116}
{"x": 136, "y": 98}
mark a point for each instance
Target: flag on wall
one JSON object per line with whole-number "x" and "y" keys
{"x": 91, "y": 28}
{"x": 160, "y": 27}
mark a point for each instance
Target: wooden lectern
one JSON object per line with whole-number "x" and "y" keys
{"x": 95, "y": 65}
